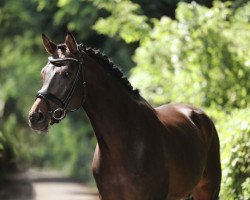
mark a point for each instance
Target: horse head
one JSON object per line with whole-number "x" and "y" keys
{"x": 62, "y": 78}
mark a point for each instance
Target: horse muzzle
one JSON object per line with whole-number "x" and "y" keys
{"x": 38, "y": 116}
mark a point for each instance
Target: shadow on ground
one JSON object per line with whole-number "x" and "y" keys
{"x": 16, "y": 187}
{"x": 43, "y": 185}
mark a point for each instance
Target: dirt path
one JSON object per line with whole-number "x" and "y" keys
{"x": 44, "y": 185}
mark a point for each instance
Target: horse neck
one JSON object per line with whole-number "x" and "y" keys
{"x": 110, "y": 106}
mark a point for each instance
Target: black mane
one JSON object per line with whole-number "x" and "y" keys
{"x": 109, "y": 65}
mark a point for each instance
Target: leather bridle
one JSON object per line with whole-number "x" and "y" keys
{"x": 59, "y": 113}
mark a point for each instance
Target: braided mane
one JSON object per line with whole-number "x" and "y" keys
{"x": 110, "y": 66}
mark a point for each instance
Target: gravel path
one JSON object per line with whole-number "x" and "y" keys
{"x": 44, "y": 185}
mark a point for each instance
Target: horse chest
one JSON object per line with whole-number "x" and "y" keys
{"x": 119, "y": 169}
{"x": 132, "y": 177}
{"x": 117, "y": 184}
{"x": 113, "y": 181}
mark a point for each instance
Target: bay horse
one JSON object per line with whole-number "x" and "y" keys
{"x": 142, "y": 153}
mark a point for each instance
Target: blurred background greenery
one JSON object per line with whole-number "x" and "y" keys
{"x": 173, "y": 51}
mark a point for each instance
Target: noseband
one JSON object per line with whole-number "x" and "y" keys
{"x": 59, "y": 113}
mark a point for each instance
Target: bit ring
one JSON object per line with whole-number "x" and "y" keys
{"x": 59, "y": 112}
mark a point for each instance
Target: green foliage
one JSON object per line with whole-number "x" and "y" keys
{"x": 1, "y": 144}
{"x": 68, "y": 146}
{"x": 234, "y": 131}
{"x": 21, "y": 60}
{"x": 194, "y": 57}
{"x": 124, "y": 18}
{"x": 14, "y": 155}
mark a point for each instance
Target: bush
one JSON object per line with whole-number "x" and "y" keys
{"x": 234, "y": 132}
{"x": 203, "y": 61}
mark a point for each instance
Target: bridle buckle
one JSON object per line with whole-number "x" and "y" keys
{"x": 59, "y": 114}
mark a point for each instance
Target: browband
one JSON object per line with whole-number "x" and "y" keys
{"x": 59, "y": 60}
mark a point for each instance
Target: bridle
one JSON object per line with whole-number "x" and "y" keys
{"x": 59, "y": 113}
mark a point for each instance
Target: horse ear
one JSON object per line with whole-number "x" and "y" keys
{"x": 71, "y": 43}
{"x": 50, "y": 46}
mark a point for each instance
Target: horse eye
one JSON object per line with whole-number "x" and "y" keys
{"x": 57, "y": 64}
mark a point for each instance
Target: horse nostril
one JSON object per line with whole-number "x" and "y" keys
{"x": 40, "y": 116}
{"x": 37, "y": 117}
{"x": 32, "y": 117}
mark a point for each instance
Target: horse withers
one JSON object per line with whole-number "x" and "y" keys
{"x": 143, "y": 153}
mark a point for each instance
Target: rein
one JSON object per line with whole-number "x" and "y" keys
{"x": 59, "y": 113}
